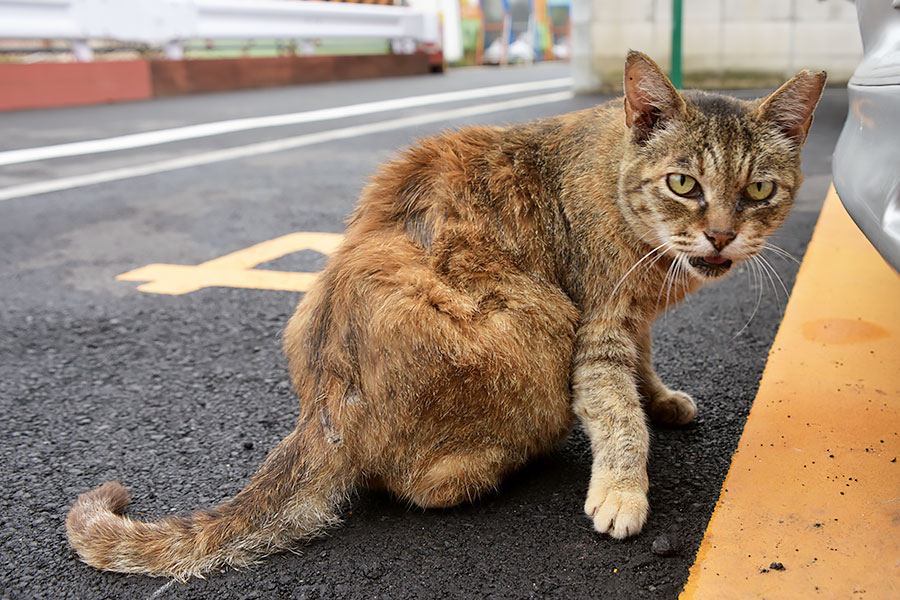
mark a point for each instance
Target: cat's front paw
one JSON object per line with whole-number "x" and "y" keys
{"x": 618, "y": 512}
{"x": 672, "y": 408}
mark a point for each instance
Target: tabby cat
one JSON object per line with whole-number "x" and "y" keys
{"x": 494, "y": 285}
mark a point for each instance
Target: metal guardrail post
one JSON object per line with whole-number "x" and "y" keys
{"x": 82, "y": 50}
{"x": 173, "y": 50}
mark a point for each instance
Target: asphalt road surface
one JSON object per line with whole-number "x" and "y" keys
{"x": 181, "y": 396}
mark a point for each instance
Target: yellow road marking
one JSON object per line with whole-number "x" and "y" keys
{"x": 815, "y": 484}
{"x": 236, "y": 269}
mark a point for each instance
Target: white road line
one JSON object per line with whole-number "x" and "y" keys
{"x": 163, "y": 136}
{"x": 205, "y": 158}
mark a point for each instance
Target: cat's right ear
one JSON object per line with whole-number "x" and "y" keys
{"x": 650, "y": 98}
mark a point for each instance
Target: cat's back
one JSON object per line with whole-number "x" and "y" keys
{"x": 448, "y": 172}
{"x": 497, "y": 180}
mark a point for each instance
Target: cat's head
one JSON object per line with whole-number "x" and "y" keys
{"x": 705, "y": 177}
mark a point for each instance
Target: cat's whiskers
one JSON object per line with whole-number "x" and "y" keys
{"x": 678, "y": 276}
{"x": 761, "y": 267}
{"x": 665, "y": 285}
{"x": 757, "y": 282}
{"x": 676, "y": 264}
{"x": 653, "y": 262}
{"x": 764, "y": 271}
{"x": 686, "y": 275}
{"x": 772, "y": 270}
{"x": 662, "y": 249}
{"x": 682, "y": 275}
{"x": 779, "y": 251}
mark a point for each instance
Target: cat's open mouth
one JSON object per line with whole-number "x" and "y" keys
{"x": 711, "y": 266}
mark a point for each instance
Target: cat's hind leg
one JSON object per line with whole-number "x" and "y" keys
{"x": 664, "y": 406}
{"x": 452, "y": 479}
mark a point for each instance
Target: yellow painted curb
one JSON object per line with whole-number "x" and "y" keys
{"x": 811, "y": 504}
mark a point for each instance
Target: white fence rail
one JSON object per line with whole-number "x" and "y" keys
{"x": 168, "y": 22}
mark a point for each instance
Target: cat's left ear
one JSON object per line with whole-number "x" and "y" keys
{"x": 650, "y": 98}
{"x": 791, "y": 106}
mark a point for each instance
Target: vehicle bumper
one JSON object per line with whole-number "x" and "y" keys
{"x": 867, "y": 166}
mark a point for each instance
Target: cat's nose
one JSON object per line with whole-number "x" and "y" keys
{"x": 719, "y": 239}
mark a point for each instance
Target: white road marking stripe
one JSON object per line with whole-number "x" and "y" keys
{"x": 205, "y": 158}
{"x": 163, "y": 136}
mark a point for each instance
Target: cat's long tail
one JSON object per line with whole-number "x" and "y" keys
{"x": 295, "y": 494}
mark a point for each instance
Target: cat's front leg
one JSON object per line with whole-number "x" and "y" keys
{"x": 606, "y": 400}
{"x": 664, "y": 405}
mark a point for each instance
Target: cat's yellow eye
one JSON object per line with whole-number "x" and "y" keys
{"x": 759, "y": 190}
{"x": 683, "y": 185}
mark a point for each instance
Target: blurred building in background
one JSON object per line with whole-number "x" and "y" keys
{"x": 85, "y": 30}
{"x": 726, "y": 43}
{"x": 516, "y": 31}
{"x": 134, "y": 49}
{"x": 472, "y": 32}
